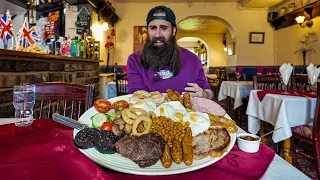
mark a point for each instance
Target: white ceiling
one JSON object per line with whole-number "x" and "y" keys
{"x": 200, "y": 25}
{"x": 244, "y": 3}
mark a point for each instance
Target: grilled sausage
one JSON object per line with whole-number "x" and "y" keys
{"x": 176, "y": 152}
{"x": 187, "y": 147}
{"x": 166, "y": 159}
{"x": 186, "y": 100}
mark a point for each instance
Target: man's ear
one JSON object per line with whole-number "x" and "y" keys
{"x": 174, "y": 30}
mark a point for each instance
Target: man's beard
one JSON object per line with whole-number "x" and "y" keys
{"x": 158, "y": 57}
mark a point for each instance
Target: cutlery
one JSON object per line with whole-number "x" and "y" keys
{"x": 270, "y": 132}
{"x": 68, "y": 121}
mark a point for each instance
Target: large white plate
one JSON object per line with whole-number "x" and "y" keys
{"x": 118, "y": 163}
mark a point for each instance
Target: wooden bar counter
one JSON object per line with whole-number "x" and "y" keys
{"x": 23, "y": 67}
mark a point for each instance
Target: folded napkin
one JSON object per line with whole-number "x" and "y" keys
{"x": 277, "y": 70}
{"x": 285, "y": 71}
{"x": 239, "y": 69}
{"x": 313, "y": 73}
{"x": 301, "y": 93}
{"x": 260, "y": 70}
{"x": 124, "y": 69}
{"x": 269, "y": 70}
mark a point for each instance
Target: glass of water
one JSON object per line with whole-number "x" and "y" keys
{"x": 23, "y": 102}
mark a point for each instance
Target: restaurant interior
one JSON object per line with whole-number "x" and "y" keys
{"x": 259, "y": 57}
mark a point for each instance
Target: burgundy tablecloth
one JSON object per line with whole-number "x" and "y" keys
{"x": 45, "y": 150}
{"x": 301, "y": 93}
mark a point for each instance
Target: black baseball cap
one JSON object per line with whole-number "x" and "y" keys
{"x": 169, "y": 15}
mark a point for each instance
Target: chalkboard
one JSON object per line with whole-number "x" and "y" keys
{"x": 83, "y": 21}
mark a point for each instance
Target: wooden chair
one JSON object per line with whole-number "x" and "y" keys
{"x": 267, "y": 82}
{"x": 232, "y": 77}
{"x": 68, "y": 99}
{"x": 230, "y": 101}
{"x": 215, "y": 85}
{"x": 311, "y": 135}
{"x": 121, "y": 84}
{"x": 300, "y": 82}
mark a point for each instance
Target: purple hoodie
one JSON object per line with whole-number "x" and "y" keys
{"x": 140, "y": 78}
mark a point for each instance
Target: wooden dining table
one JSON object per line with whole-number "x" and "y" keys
{"x": 45, "y": 150}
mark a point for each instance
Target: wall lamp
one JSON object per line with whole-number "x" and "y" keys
{"x": 301, "y": 20}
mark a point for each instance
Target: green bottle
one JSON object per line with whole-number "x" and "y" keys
{"x": 81, "y": 47}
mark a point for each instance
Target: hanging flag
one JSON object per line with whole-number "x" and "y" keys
{"x": 6, "y": 27}
{"x": 27, "y": 35}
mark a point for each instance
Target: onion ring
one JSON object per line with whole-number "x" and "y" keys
{"x": 126, "y": 118}
{"x": 147, "y": 125}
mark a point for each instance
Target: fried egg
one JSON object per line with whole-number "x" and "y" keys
{"x": 147, "y": 105}
{"x": 173, "y": 110}
{"x": 164, "y": 110}
{"x": 199, "y": 122}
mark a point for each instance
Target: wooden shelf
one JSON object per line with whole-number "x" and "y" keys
{"x": 4, "y": 54}
{"x": 42, "y": 8}
{"x": 310, "y": 11}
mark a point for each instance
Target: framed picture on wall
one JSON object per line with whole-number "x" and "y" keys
{"x": 230, "y": 49}
{"x": 139, "y": 37}
{"x": 256, "y": 37}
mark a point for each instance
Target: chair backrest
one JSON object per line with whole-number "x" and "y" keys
{"x": 316, "y": 133}
{"x": 299, "y": 82}
{"x": 232, "y": 77}
{"x": 267, "y": 82}
{"x": 121, "y": 84}
{"x": 68, "y": 99}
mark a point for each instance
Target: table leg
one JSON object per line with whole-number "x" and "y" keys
{"x": 286, "y": 150}
{"x": 263, "y": 140}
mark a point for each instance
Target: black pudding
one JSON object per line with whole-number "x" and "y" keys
{"x": 85, "y": 138}
{"x": 104, "y": 142}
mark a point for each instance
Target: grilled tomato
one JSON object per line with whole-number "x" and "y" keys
{"x": 102, "y": 105}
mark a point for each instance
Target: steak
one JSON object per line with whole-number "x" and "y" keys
{"x": 144, "y": 150}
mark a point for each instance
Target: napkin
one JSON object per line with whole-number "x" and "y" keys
{"x": 269, "y": 70}
{"x": 260, "y": 70}
{"x": 313, "y": 73}
{"x": 277, "y": 70}
{"x": 239, "y": 69}
{"x": 285, "y": 72}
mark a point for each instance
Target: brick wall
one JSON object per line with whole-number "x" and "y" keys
{"x": 16, "y": 70}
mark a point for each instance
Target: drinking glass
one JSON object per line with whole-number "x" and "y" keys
{"x": 285, "y": 81}
{"x": 238, "y": 75}
{"x": 23, "y": 102}
{"x": 313, "y": 87}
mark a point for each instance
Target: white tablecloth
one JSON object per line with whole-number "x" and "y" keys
{"x": 280, "y": 111}
{"x": 110, "y": 90}
{"x": 236, "y": 90}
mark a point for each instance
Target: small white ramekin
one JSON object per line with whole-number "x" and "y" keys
{"x": 248, "y": 146}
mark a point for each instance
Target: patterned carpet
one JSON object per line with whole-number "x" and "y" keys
{"x": 302, "y": 163}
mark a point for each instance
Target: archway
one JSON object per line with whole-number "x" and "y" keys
{"x": 192, "y": 43}
{"x": 216, "y": 32}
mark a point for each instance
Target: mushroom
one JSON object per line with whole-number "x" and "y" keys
{"x": 116, "y": 131}
{"x": 128, "y": 128}
{"x": 118, "y": 121}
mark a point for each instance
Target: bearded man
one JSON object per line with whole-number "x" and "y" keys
{"x": 162, "y": 64}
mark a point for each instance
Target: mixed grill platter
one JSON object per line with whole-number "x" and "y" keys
{"x": 196, "y": 124}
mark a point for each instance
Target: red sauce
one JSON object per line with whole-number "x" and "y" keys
{"x": 248, "y": 138}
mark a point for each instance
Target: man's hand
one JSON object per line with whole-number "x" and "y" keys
{"x": 196, "y": 91}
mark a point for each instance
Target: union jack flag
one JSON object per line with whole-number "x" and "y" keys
{"x": 6, "y": 28}
{"x": 27, "y": 35}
